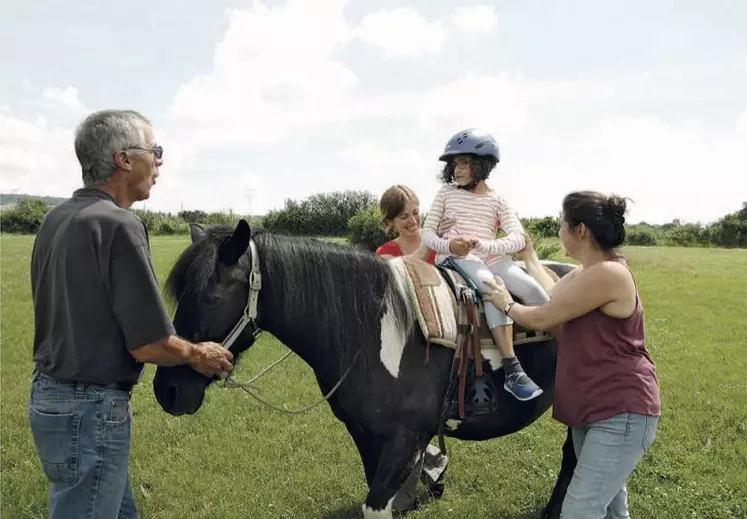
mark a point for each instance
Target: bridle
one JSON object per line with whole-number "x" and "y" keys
{"x": 249, "y": 315}
{"x": 249, "y": 318}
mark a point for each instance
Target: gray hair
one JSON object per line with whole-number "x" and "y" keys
{"x": 100, "y": 136}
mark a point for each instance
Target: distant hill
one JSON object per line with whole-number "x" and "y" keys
{"x": 11, "y": 199}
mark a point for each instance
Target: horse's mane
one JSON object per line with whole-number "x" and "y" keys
{"x": 338, "y": 290}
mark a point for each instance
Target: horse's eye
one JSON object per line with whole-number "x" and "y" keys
{"x": 212, "y": 299}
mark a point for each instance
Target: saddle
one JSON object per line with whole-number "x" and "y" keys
{"x": 450, "y": 314}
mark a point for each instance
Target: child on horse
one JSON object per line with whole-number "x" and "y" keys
{"x": 471, "y": 244}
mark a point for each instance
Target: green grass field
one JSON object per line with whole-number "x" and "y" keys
{"x": 237, "y": 459}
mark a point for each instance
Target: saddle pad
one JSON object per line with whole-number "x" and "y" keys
{"x": 433, "y": 301}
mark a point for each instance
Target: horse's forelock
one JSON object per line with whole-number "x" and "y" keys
{"x": 195, "y": 266}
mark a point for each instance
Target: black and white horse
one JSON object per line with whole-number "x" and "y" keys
{"x": 341, "y": 310}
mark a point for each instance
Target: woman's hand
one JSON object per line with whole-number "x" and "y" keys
{"x": 499, "y": 294}
{"x": 528, "y": 252}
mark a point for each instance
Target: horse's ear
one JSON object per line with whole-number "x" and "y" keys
{"x": 236, "y": 245}
{"x": 196, "y": 231}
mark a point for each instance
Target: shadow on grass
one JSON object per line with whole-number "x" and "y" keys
{"x": 353, "y": 511}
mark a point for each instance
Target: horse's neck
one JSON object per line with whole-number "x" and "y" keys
{"x": 323, "y": 306}
{"x": 308, "y": 338}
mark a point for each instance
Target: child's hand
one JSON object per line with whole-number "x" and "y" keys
{"x": 446, "y": 223}
{"x": 473, "y": 242}
{"x": 461, "y": 245}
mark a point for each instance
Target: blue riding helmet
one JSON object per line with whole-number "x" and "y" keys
{"x": 472, "y": 140}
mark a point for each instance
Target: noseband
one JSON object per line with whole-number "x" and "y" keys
{"x": 249, "y": 315}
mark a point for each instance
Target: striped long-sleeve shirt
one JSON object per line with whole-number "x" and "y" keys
{"x": 479, "y": 216}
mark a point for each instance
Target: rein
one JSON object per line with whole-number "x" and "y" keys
{"x": 249, "y": 317}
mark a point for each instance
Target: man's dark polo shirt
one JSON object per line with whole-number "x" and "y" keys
{"x": 95, "y": 291}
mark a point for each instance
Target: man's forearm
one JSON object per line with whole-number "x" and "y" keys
{"x": 170, "y": 351}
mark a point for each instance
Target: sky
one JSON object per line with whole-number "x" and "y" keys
{"x": 259, "y": 102}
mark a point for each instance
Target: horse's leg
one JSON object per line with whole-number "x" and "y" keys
{"x": 406, "y": 496}
{"x": 567, "y": 465}
{"x": 398, "y": 457}
{"x": 369, "y": 450}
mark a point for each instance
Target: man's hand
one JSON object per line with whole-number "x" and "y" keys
{"x": 211, "y": 359}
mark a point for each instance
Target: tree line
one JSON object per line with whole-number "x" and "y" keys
{"x": 354, "y": 215}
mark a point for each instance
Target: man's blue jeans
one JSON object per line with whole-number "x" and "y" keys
{"x": 607, "y": 453}
{"x": 82, "y": 435}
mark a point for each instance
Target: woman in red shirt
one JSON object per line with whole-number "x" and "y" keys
{"x": 606, "y": 388}
{"x": 400, "y": 215}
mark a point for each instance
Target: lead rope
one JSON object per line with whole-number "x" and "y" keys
{"x": 230, "y": 383}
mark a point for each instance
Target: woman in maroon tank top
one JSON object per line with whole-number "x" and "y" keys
{"x": 606, "y": 388}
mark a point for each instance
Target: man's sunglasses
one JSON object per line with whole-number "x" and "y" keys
{"x": 156, "y": 150}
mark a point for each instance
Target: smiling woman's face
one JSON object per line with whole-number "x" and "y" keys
{"x": 407, "y": 223}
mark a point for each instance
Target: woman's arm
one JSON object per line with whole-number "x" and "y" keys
{"x": 591, "y": 288}
{"x": 534, "y": 266}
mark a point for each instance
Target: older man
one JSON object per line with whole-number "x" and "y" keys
{"x": 99, "y": 316}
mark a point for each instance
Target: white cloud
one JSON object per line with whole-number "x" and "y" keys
{"x": 37, "y": 157}
{"x": 36, "y": 151}
{"x": 688, "y": 172}
{"x": 401, "y": 33}
{"x": 507, "y": 103}
{"x": 479, "y": 19}
{"x": 270, "y": 69}
{"x": 741, "y": 126}
{"x": 64, "y": 98}
{"x": 283, "y": 114}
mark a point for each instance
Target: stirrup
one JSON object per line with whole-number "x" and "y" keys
{"x": 481, "y": 395}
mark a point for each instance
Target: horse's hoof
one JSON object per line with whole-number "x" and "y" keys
{"x": 437, "y": 489}
{"x": 548, "y": 513}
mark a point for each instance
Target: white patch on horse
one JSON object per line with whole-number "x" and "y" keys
{"x": 386, "y": 513}
{"x": 395, "y": 328}
{"x": 493, "y": 356}
{"x": 393, "y": 340}
{"x": 453, "y": 424}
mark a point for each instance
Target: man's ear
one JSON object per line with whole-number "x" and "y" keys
{"x": 122, "y": 160}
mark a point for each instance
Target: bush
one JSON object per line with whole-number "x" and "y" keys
{"x": 730, "y": 231}
{"x": 25, "y": 218}
{"x": 365, "y": 229}
{"x": 193, "y": 216}
{"x": 545, "y": 249}
{"x": 172, "y": 226}
{"x": 547, "y": 227}
{"x": 642, "y": 237}
{"x": 324, "y": 214}
{"x": 222, "y": 218}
